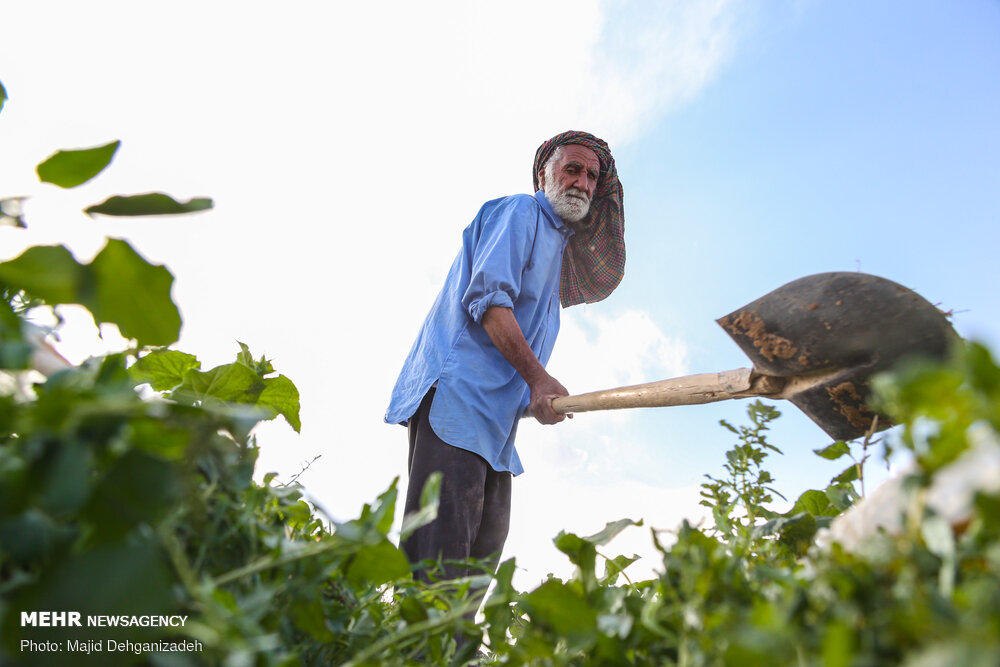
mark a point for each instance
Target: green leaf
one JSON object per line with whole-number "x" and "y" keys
{"x": 281, "y": 396}
{"x": 614, "y": 567}
{"x": 49, "y": 273}
{"x": 797, "y": 534}
{"x": 163, "y": 369}
{"x": 227, "y": 383}
{"x": 378, "y": 564}
{"x": 834, "y": 451}
{"x": 150, "y": 203}
{"x": 849, "y": 474}
{"x": 384, "y": 508}
{"x": 841, "y": 496}
{"x": 610, "y": 531}
{"x": 71, "y": 168}
{"x": 815, "y": 503}
{"x": 412, "y": 611}
{"x": 429, "y": 501}
{"x": 558, "y": 606}
{"x": 134, "y": 294}
{"x": 3, "y": 96}
{"x": 119, "y": 287}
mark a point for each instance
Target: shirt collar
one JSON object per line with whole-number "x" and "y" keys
{"x": 556, "y": 221}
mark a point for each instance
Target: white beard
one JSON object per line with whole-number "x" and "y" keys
{"x": 571, "y": 204}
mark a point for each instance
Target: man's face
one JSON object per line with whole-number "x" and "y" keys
{"x": 569, "y": 180}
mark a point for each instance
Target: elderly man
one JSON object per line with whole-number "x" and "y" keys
{"x": 479, "y": 359}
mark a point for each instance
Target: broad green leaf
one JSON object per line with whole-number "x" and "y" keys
{"x": 797, "y": 534}
{"x": 849, "y": 474}
{"x": 841, "y": 496}
{"x": 558, "y": 606}
{"x": 163, "y": 369}
{"x": 70, "y": 168}
{"x": 3, "y": 96}
{"x": 49, "y": 273}
{"x": 119, "y": 287}
{"x": 815, "y": 503}
{"x": 281, "y": 396}
{"x": 228, "y": 383}
{"x": 159, "y": 437}
{"x": 573, "y": 546}
{"x": 309, "y": 617}
{"x": 378, "y": 564}
{"x": 412, "y": 611}
{"x": 134, "y": 294}
{"x": 150, "y": 203}
{"x": 834, "y": 451}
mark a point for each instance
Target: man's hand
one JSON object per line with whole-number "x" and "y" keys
{"x": 505, "y": 333}
{"x": 542, "y": 393}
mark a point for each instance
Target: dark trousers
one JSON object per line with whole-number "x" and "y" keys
{"x": 474, "y": 511}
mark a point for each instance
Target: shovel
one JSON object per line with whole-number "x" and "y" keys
{"x": 816, "y": 342}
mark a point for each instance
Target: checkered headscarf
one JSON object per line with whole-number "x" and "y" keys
{"x": 594, "y": 262}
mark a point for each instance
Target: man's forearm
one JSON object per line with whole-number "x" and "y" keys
{"x": 505, "y": 333}
{"x": 502, "y": 328}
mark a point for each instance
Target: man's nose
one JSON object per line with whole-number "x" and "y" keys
{"x": 585, "y": 183}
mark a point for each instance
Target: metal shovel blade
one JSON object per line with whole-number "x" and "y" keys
{"x": 839, "y": 329}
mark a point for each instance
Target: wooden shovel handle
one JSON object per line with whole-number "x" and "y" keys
{"x": 688, "y": 390}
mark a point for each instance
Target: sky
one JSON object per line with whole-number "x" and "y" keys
{"x": 347, "y": 145}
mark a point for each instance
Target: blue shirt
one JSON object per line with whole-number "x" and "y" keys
{"x": 511, "y": 256}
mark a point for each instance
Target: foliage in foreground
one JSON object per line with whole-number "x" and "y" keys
{"x": 754, "y": 589}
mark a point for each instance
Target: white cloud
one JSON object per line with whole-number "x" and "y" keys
{"x": 599, "y": 349}
{"x": 651, "y": 57}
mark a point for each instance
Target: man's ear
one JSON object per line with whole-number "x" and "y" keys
{"x": 541, "y": 180}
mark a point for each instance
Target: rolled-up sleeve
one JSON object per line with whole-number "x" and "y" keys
{"x": 501, "y": 253}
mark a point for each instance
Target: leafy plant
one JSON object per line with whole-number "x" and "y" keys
{"x": 740, "y": 500}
